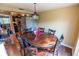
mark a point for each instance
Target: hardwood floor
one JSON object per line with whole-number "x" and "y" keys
{"x": 65, "y": 51}
{"x": 13, "y": 51}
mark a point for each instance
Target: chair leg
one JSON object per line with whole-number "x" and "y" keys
{"x": 55, "y": 53}
{"x": 22, "y": 52}
{"x": 25, "y": 51}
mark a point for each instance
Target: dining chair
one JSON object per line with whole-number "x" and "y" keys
{"x": 41, "y": 29}
{"x": 22, "y": 46}
{"x": 58, "y": 45}
{"x": 9, "y": 32}
{"x": 30, "y": 50}
{"x": 50, "y": 31}
{"x": 29, "y": 30}
{"x": 26, "y": 43}
{"x": 23, "y": 43}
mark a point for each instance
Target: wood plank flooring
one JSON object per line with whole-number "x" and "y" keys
{"x": 13, "y": 51}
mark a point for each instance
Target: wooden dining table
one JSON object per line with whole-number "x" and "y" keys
{"x": 45, "y": 40}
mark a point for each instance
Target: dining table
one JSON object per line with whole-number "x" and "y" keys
{"x": 45, "y": 40}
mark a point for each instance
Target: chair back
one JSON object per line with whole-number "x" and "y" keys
{"x": 41, "y": 30}
{"x": 50, "y": 31}
{"x": 25, "y": 41}
{"x": 29, "y": 30}
{"x": 9, "y": 32}
{"x": 20, "y": 40}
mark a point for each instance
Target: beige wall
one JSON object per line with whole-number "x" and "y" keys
{"x": 64, "y": 20}
{"x": 76, "y": 47}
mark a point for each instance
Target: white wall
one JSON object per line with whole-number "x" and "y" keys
{"x": 2, "y": 50}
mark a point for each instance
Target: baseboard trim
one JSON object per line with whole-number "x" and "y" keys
{"x": 67, "y": 45}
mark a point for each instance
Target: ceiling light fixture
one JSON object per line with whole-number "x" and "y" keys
{"x": 35, "y": 15}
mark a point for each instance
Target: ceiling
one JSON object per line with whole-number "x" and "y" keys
{"x": 29, "y": 7}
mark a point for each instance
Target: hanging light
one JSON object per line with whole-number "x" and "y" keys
{"x": 35, "y": 15}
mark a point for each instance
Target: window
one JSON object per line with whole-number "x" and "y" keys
{"x": 4, "y": 20}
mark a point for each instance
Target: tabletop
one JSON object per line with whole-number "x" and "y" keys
{"x": 44, "y": 40}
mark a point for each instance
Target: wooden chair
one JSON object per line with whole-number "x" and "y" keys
{"x": 52, "y": 32}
